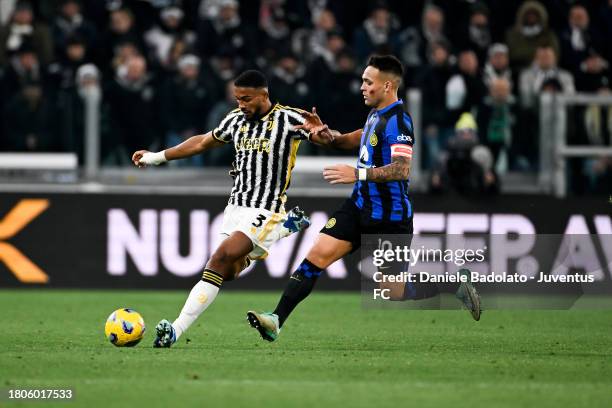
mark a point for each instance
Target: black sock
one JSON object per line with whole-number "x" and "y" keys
{"x": 299, "y": 287}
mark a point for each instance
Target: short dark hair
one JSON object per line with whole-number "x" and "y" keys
{"x": 251, "y": 79}
{"x": 387, "y": 63}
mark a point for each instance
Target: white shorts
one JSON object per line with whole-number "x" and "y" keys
{"x": 263, "y": 227}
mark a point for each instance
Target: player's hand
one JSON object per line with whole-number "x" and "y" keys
{"x": 143, "y": 158}
{"x": 137, "y": 156}
{"x": 322, "y": 135}
{"x": 312, "y": 120}
{"x": 340, "y": 174}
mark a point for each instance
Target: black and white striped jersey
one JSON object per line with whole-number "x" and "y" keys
{"x": 266, "y": 149}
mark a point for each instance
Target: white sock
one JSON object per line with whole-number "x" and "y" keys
{"x": 200, "y": 297}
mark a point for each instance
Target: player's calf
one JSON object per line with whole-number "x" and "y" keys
{"x": 230, "y": 253}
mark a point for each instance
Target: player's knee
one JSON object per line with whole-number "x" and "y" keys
{"x": 321, "y": 256}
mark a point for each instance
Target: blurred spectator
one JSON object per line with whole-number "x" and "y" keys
{"x": 225, "y": 66}
{"x": 543, "y": 76}
{"x": 23, "y": 68}
{"x": 530, "y": 31}
{"x": 312, "y": 43}
{"x": 605, "y": 27}
{"x": 498, "y": 65}
{"x": 495, "y": 121}
{"x": 69, "y": 23}
{"x": 477, "y": 36}
{"x": 121, "y": 30}
{"x": 178, "y": 48}
{"x": 465, "y": 89}
{"x": 223, "y": 155}
{"x": 70, "y": 114}
{"x": 467, "y": 166}
{"x": 274, "y": 35}
{"x": 288, "y": 83}
{"x": 185, "y": 102}
{"x": 581, "y": 55}
{"x": 543, "y": 71}
{"x": 415, "y": 44}
{"x": 121, "y": 54}
{"x": 225, "y": 32}
{"x": 22, "y": 30}
{"x": 161, "y": 37}
{"x": 342, "y": 103}
{"x": 134, "y": 109}
{"x": 222, "y": 106}
{"x": 437, "y": 123}
{"x": 210, "y": 9}
{"x": 320, "y": 70}
{"x": 378, "y": 34}
{"x": 28, "y": 119}
{"x": 276, "y": 32}
{"x": 63, "y": 72}
{"x": 146, "y": 12}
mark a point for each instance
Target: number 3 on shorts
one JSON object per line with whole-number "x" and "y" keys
{"x": 259, "y": 221}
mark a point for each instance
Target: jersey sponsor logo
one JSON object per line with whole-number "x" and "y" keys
{"x": 373, "y": 139}
{"x": 330, "y": 223}
{"x": 404, "y": 138}
{"x": 260, "y": 145}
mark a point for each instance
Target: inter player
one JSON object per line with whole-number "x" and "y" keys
{"x": 266, "y": 141}
{"x": 379, "y": 203}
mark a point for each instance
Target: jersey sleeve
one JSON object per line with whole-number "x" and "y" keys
{"x": 400, "y": 136}
{"x": 295, "y": 119}
{"x": 223, "y": 132}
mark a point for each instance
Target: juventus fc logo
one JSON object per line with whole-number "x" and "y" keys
{"x": 270, "y": 125}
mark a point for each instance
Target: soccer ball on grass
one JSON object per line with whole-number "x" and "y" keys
{"x": 124, "y": 328}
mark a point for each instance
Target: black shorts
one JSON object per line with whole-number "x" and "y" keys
{"x": 348, "y": 223}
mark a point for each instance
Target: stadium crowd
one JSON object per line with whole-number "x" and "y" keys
{"x": 165, "y": 67}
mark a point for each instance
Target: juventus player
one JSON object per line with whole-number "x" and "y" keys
{"x": 379, "y": 204}
{"x": 266, "y": 141}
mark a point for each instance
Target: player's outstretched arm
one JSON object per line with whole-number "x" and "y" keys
{"x": 322, "y": 135}
{"x": 348, "y": 141}
{"x": 397, "y": 170}
{"x": 333, "y": 138}
{"x": 190, "y": 147}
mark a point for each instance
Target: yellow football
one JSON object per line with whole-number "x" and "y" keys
{"x": 124, "y": 328}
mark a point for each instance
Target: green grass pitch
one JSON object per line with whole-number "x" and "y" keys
{"x": 332, "y": 352}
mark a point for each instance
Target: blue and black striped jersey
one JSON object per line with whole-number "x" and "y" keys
{"x": 387, "y": 132}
